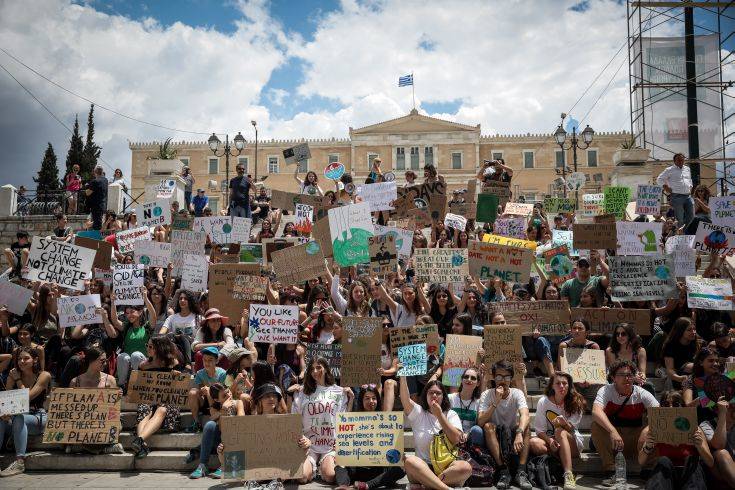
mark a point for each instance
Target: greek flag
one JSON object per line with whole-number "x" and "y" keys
{"x": 405, "y": 80}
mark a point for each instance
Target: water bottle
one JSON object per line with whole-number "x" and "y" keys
{"x": 620, "y": 477}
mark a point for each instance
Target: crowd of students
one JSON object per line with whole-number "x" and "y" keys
{"x": 180, "y": 331}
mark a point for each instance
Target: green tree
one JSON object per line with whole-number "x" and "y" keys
{"x": 76, "y": 150}
{"x": 48, "y": 175}
{"x": 91, "y": 151}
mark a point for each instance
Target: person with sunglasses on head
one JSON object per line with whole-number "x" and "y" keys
{"x": 240, "y": 193}
{"x": 626, "y": 344}
{"x": 466, "y": 403}
{"x": 572, "y": 288}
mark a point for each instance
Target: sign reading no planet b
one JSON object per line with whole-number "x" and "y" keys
{"x": 156, "y": 213}
{"x": 714, "y": 239}
{"x": 60, "y": 263}
{"x": 274, "y": 324}
{"x": 369, "y": 439}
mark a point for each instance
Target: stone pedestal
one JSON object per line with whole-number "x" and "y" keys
{"x": 115, "y": 197}
{"x": 631, "y": 176}
{"x": 8, "y": 200}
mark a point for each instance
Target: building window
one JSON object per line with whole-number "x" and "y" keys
{"x": 333, "y": 157}
{"x": 244, "y": 162}
{"x": 528, "y": 159}
{"x": 456, "y": 160}
{"x": 213, "y": 165}
{"x": 497, "y": 155}
{"x": 560, "y": 158}
{"x": 272, "y": 165}
{"x": 591, "y": 158}
{"x": 429, "y": 155}
{"x": 185, "y": 161}
{"x": 400, "y": 158}
{"x": 370, "y": 158}
{"x": 214, "y": 205}
{"x": 414, "y": 157}
{"x": 303, "y": 166}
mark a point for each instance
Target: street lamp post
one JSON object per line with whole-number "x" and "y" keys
{"x": 587, "y": 135}
{"x": 255, "y": 126}
{"x": 214, "y": 143}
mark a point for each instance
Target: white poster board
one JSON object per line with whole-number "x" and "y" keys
{"x": 379, "y": 195}
{"x": 194, "y": 273}
{"x": 276, "y": 324}
{"x": 79, "y": 310}
{"x": 127, "y": 280}
{"x": 152, "y": 254}
{"x": 156, "y": 213}
{"x": 60, "y": 263}
{"x": 15, "y": 298}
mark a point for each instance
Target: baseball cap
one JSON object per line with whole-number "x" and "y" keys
{"x": 212, "y": 351}
{"x": 583, "y": 262}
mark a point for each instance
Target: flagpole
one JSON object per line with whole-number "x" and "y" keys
{"x": 413, "y": 90}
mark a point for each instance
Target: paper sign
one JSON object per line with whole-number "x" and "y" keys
{"x": 185, "y": 242}
{"x": 127, "y": 280}
{"x": 714, "y": 239}
{"x": 15, "y": 298}
{"x": 417, "y": 334}
{"x": 584, "y": 365}
{"x": 722, "y": 210}
{"x": 218, "y": 228}
{"x": 403, "y": 238}
{"x": 60, "y": 263}
{"x": 642, "y": 278}
{"x": 441, "y": 264}
{"x": 79, "y": 310}
{"x": 502, "y": 342}
{"x": 13, "y": 402}
{"x": 604, "y": 321}
{"x": 103, "y": 248}
{"x": 83, "y": 416}
{"x": 487, "y": 208}
{"x": 616, "y": 200}
{"x": 510, "y": 227}
{"x": 383, "y": 255}
{"x": 497, "y": 188}
{"x": 297, "y": 153}
{"x": 361, "y": 341}
{"x": 564, "y": 237}
{"x": 126, "y": 239}
{"x": 558, "y": 264}
{"x": 680, "y": 248}
{"x": 298, "y": 264}
{"x": 194, "y": 273}
{"x": 636, "y": 238}
{"x": 575, "y": 181}
{"x": 519, "y": 208}
{"x": 497, "y": 256}
{"x": 103, "y": 275}
{"x": 547, "y": 316}
{"x": 152, "y": 254}
{"x": 592, "y": 205}
{"x": 379, "y": 195}
{"x": 274, "y": 324}
{"x": 672, "y": 425}
{"x": 648, "y": 199}
{"x": 156, "y": 213}
{"x": 350, "y": 227}
{"x": 559, "y": 205}
{"x": 715, "y": 386}
{"x": 460, "y": 354}
{"x": 414, "y": 360}
{"x": 455, "y": 221}
{"x": 592, "y": 236}
{"x": 332, "y": 353}
{"x": 240, "y": 229}
{"x": 159, "y": 388}
{"x": 709, "y": 293}
{"x": 251, "y": 253}
{"x": 249, "y": 288}
{"x": 223, "y": 291}
{"x": 304, "y": 218}
{"x": 369, "y": 439}
{"x": 165, "y": 189}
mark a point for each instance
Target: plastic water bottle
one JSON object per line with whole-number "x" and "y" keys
{"x": 620, "y": 476}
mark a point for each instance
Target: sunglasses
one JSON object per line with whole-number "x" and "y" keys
{"x": 442, "y": 296}
{"x": 469, "y": 378}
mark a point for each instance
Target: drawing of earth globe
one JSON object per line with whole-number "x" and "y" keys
{"x": 157, "y": 211}
{"x": 393, "y": 456}
{"x": 716, "y": 240}
{"x": 226, "y": 228}
{"x": 312, "y": 248}
{"x": 662, "y": 272}
{"x": 145, "y": 260}
{"x": 79, "y": 308}
{"x": 457, "y": 260}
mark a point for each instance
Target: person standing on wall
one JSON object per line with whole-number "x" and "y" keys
{"x": 677, "y": 182}
{"x": 189, "y": 186}
{"x": 240, "y": 193}
{"x": 96, "y": 193}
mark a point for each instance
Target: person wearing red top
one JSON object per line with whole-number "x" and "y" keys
{"x": 73, "y": 183}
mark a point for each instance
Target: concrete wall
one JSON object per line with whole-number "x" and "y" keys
{"x": 34, "y": 225}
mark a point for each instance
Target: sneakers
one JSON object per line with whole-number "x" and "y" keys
{"x": 522, "y": 480}
{"x": 193, "y": 428}
{"x": 199, "y": 472}
{"x": 144, "y": 450}
{"x": 216, "y": 474}
{"x": 137, "y": 444}
{"x": 569, "y": 481}
{"x": 660, "y": 373}
{"x": 504, "y": 480}
{"x": 609, "y": 481}
{"x": 252, "y": 485}
{"x": 273, "y": 485}
{"x": 16, "y": 468}
{"x": 113, "y": 449}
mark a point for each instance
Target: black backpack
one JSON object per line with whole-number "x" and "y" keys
{"x": 545, "y": 471}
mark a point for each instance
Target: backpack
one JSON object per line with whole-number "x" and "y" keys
{"x": 483, "y": 465}
{"x": 545, "y": 471}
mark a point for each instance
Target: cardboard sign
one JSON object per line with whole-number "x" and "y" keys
{"x": 592, "y": 236}
{"x": 271, "y": 245}
{"x": 547, "y": 316}
{"x": 15, "y": 298}
{"x": 709, "y": 293}
{"x": 274, "y": 324}
{"x": 369, "y": 439}
{"x": 304, "y": 218}
{"x": 722, "y": 210}
{"x": 185, "y": 242}
{"x": 194, "y": 273}
{"x": 714, "y": 239}
{"x": 434, "y": 194}
{"x": 262, "y": 448}
{"x": 413, "y": 357}
{"x": 222, "y": 280}
{"x": 672, "y": 425}
{"x": 241, "y": 227}
{"x": 592, "y": 205}
{"x": 642, "y": 278}
{"x": 584, "y": 365}
{"x": 383, "y": 255}
{"x": 248, "y": 288}
{"x": 103, "y": 249}
{"x": 403, "y": 238}
{"x": 322, "y": 234}
{"x": 648, "y": 199}
{"x": 380, "y": 195}
{"x": 126, "y": 239}
{"x": 460, "y": 353}
{"x": 559, "y": 205}
{"x": 298, "y": 264}
{"x": 83, "y": 416}
{"x": 604, "y": 218}
{"x": 497, "y": 256}
{"x": 297, "y": 153}
{"x": 487, "y": 208}
{"x": 680, "y": 248}
{"x": 455, "y": 221}
{"x": 350, "y": 227}
{"x": 332, "y": 353}
{"x": 361, "y": 341}
{"x": 604, "y": 321}
{"x": 497, "y": 188}
{"x": 502, "y": 342}
{"x": 182, "y": 222}
{"x": 636, "y": 238}
{"x": 158, "y": 388}
{"x": 78, "y": 310}
{"x": 251, "y": 253}
{"x": 152, "y": 254}
{"x": 441, "y": 264}
{"x": 13, "y": 402}
{"x": 59, "y": 263}
{"x": 417, "y": 334}
{"x": 616, "y": 200}
{"x": 156, "y": 213}
{"x": 510, "y": 227}
{"x": 558, "y": 264}
{"x": 288, "y": 200}
{"x": 127, "y": 280}
{"x": 519, "y": 208}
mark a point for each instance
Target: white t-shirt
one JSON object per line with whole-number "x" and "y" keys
{"x": 181, "y": 324}
{"x": 425, "y": 426}
{"x": 466, "y": 410}
{"x": 402, "y": 317}
{"x": 319, "y": 415}
{"x": 507, "y": 412}
{"x": 547, "y": 411}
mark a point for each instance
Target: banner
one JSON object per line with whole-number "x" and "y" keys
{"x": 295, "y": 265}
{"x": 680, "y": 248}
{"x": 361, "y": 343}
{"x": 304, "y": 218}
{"x": 497, "y": 256}
{"x": 350, "y": 227}
{"x": 59, "y": 263}
{"x": 584, "y": 365}
{"x": 592, "y": 205}
{"x": 561, "y": 205}
{"x": 672, "y": 425}
{"x": 13, "y": 402}
{"x": 159, "y": 388}
{"x": 380, "y": 196}
{"x": 642, "y": 278}
{"x": 15, "y": 298}
{"x": 331, "y": 352}
{"x": 593, "y": 236}
{"x": 550, "y": 317}
{"x": 440, "y": 264}
{"x": 502, "y": 342}
{"x": 402, "y": 237}
{"x": 78, "y": 310}
{"x": 185, "y": 242}
{"x": 248, "y": 288}
{"x": 648, "y": 199}
{"x": 714, "y": 239}
{"x": 456, "y": 221}
{"x": 639, "y": 238}
{"x": 369, "y": 439}
{"x": 616, "y": 200}
{"x": 519, "y": 209}
{"x": 417, "y": 334}
{"x": 722, "y": 210}
{"x": 231, "y": 300}
{"x": 194, "y": 273}
{"x": 510, "y": 227}
{"x": 127, "y": 279}
{"x": 604, "y": 321}
{"x": 83, "y": 416}
{"x": 274, "y": 324}
{"x": 126, "y": 239}
{"x": 413, "y": 358}
{"x": 103, "y": 250}
{"x": 156, "y": 213}
{"x": 460, "y": 353}
{"x": 152, "y": 254}
{"x": 383, "y": 255}
{"x": 709, "y": 293}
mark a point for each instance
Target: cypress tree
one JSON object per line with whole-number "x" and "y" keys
{"x": 48, "y": 175}
{"x": 76, "y": 150}
{"x": 91, "y": 151}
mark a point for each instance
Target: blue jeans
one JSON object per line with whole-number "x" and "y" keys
{"x": 187, "y": 199}
{"x": 240, "y": 211}
{"x": 124, "y": 362}
{"x": 23, "y": 425}
{"x": 476, "y": 436}
{"x": 211, "y": 437}
{"x": 683, "y": 205}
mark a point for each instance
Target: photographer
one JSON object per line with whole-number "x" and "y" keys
{"x": 500, "y": 171}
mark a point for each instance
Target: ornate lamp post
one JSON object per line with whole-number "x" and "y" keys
{"x": 560, "y": 135}
{"x": 214, "y": 143}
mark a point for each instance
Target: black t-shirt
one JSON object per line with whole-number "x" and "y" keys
{"x": 240, "y": 186}
{"x": 17, "y": 247}
{"x": 681, "y": 354}
{"x": 98, "y": 186}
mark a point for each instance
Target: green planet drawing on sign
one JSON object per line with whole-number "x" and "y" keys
{"x": 353, "y": 250}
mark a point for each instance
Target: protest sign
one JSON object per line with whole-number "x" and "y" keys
{"x": 60, "y": 263}
{"x": 559, "y": 205}
{"x": 159, "y": 388}
{"x": 277, "y": 324}
{"x": 15, "y": 298}
{"x": 249, "y": 288}
{"x": 455, "y": 221}
{"x": 152, "y": 254}
{"x": 564, "y": 237}
{"x": 441, "y": 264}
{"x": 722, "y": 210}
{"x": 383, "y": 255}
{"x": 331, "y": 352}
{"x": 604, "y": 218}
{"x": 642, "y": 278}
{"x": 497, "y": 256}
{"x": 714, "y": 239}
{"x": 361, "y": 341}
{"x": 127, "y": 279}
{"x": 680, "y": 248}
{"x": 156, "y": 213}
{"x": 432, "y": 193}
{"x": 487, "y": 208}
{"x": 604, "y": 321}
{"x": 592, "y": 236}
{"x": 288, "y": 200}
{"x": 460, "y": 353}
{"x": 403, "y": 238}
{"x": 194, "y": 272}
{"x": 715, "y": 386}
{"x": 497, "y": 188}
{"x": 298, "y": 264}
{"x": 709, "y": 293}
{"x": 322, "y": 234}
{"x": 648, "y": 199}
{"x": 417, "y": 334}
{"x": 413, "y": 357}
{"x": 616, "y": 200}
{"x": 510, "y": 227}
{"x": 13, "y": 402}
{"x": 240, "y": 231}
{"x": 165, "y": 189}
{"x": 79, "y": 310}
{"x": 369, "y": 439}
{"x": 558, "y": 264}
{"x": 271, "y": 245}
{"x": 592, "y": 205}
{"x": 185, "y": 242}
{"x": 350, "y": 227}
{"x": 223, "y": 289}
{"x": 83, "y": 416}
{"x": 672, "y": 425}
{"x": 584, "y": 365}
{"x": 638, "y": 238}
{"x": 262, "y": 448}
{"x": 104, "y": 275}
{"x": 502, "y": 342}
{"x": 519, "y": 208}
{"x": 379, "y": 195}
{"x": 251, "y": 253}
{"x": 550, "y": 317}
{"x": 103, "y": 251}
{"x": 297, "y": 153}
{"x": 218, "y": 228}
{"x": 126, "y": 239}
{"x": 182, "y": 222}
{"x": 304, "y": 218}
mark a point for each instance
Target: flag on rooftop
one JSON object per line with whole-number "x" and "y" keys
{"x": 405, "y": 80}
